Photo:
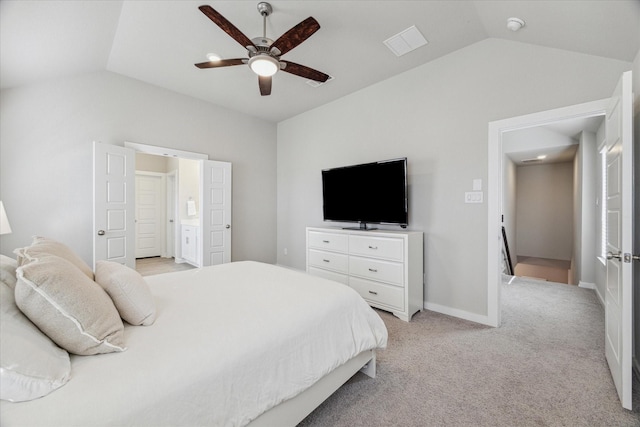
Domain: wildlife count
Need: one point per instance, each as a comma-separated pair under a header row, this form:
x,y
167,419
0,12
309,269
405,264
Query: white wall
x,y
46,134
188,187
437,115
600,265
509,188
544,210
585,213
152,163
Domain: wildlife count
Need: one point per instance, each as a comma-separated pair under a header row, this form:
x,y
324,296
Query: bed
x,y
243,343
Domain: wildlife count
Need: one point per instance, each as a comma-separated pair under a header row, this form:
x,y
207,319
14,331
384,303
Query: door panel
x,y
618,295
216,212
149,215
113,196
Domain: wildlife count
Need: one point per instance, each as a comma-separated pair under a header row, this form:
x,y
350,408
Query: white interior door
x,y
215,212
113,204
619,292
150,214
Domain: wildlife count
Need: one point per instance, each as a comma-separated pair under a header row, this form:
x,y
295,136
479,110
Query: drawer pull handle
x,y
373,270
326,260
325,241
373,247
373,293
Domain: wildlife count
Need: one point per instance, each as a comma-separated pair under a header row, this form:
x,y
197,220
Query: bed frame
x,y
292,411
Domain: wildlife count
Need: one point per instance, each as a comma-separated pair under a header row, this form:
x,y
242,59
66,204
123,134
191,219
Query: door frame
x,y
172,206
495,186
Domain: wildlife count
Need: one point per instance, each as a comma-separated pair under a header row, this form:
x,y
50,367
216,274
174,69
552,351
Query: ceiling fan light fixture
x,y
212,57
264,65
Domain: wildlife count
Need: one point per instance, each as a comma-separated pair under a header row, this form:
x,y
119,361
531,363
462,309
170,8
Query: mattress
x,y
229,343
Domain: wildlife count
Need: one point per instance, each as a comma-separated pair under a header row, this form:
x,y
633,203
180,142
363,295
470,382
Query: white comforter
x,y
229,343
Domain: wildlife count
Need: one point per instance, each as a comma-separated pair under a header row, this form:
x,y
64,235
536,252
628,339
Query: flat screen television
x,y
368,193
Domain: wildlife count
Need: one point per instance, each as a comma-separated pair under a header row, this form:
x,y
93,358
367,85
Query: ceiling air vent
x,y
531,160
406,41
314,83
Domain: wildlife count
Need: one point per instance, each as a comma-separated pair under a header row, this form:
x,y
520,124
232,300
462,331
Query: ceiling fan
x,y
264,53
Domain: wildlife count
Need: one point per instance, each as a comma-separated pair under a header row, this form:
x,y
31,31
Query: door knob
x,y
228,226
630,257
611,255
100,232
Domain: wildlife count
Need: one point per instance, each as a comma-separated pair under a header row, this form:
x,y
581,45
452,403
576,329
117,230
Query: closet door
x,y
113,204
215,218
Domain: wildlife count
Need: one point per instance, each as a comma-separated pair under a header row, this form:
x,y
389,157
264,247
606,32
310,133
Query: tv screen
x,y
373,193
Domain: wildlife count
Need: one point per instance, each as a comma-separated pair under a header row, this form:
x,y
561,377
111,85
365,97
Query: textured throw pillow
x,y
44,246
129,292
8,271
32,365
71,309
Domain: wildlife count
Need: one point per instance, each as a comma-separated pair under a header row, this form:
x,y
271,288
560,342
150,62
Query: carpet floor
x,y
544,366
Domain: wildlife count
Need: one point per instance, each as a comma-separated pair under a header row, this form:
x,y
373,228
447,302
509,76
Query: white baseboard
x,y
290,268
600,296
586,285
465,315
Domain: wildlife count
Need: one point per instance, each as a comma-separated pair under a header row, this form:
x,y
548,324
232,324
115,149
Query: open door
x,y
215,215
619,291
113,204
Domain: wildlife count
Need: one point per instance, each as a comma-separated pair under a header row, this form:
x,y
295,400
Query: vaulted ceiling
x,y
158,42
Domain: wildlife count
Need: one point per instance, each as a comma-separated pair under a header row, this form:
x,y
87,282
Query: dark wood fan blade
x,y
265,85
296,35
306,72
226,26
221,63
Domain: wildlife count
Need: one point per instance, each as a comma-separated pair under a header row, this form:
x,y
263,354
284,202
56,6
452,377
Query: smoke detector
x,y
514,24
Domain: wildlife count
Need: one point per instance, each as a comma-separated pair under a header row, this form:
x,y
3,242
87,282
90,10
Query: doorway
x,y
550,213
618,111
163,184
114,205
203,217
495,196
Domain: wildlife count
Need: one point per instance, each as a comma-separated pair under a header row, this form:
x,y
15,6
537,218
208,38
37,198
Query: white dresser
x,y
385,267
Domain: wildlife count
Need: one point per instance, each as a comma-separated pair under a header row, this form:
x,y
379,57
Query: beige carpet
x,y
544,366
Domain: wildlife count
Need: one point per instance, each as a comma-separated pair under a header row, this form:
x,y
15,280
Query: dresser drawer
x,y
329,260
375,269
331,275
374,292
329,241
379,247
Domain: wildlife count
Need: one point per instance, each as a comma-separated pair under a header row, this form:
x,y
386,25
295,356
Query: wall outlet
x,y
286,252
473,197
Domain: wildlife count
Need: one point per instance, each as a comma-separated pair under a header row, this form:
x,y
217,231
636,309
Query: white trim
x,y
462,314
600,297
495,182
162,151
586,285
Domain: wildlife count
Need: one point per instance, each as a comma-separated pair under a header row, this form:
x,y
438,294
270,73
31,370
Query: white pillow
x,y
129,292
8,271
32,365
71,309
41,246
